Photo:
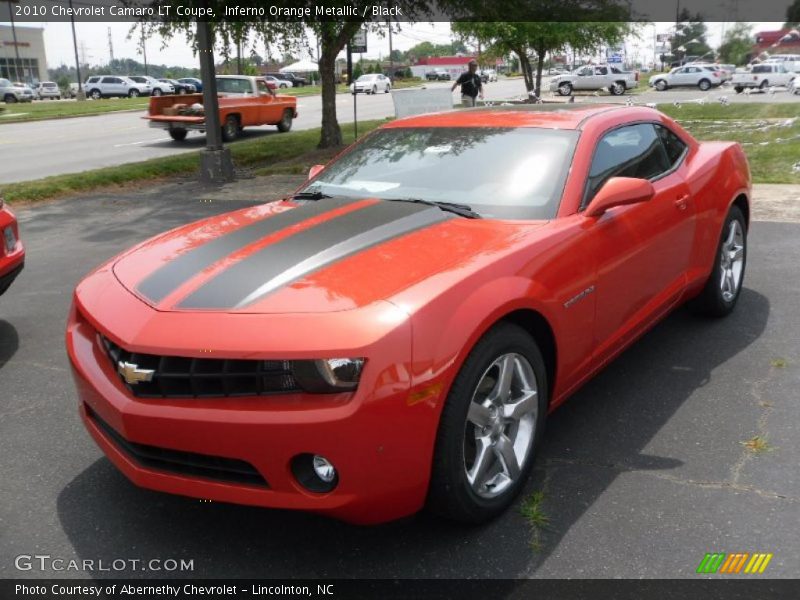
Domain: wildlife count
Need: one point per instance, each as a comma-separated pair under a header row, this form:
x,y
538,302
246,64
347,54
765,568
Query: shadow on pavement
x,y
198,140
611,420
9,342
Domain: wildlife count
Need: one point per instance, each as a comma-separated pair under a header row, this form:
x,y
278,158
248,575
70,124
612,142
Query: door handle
x,y
682,202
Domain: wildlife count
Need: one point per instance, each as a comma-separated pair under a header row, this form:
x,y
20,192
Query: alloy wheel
x,y
731,262
501,424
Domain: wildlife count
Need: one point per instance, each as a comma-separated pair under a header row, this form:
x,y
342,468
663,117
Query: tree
x,y
690,36
793,15
527,39
736,46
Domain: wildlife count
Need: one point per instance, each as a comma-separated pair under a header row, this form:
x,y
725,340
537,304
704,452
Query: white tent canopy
x,y
301,66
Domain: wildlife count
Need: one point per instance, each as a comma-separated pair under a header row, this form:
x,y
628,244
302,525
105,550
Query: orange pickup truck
x,y
243,102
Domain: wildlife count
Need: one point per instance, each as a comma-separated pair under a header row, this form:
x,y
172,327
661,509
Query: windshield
x,y
505,173
365,77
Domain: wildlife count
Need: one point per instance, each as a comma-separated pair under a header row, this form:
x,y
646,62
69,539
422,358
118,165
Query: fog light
x,y
324,469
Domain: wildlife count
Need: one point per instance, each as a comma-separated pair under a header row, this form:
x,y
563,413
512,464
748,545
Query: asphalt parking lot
x,y
643,471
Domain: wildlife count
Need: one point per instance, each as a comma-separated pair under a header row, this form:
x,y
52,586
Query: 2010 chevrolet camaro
x,y
12,253
395,334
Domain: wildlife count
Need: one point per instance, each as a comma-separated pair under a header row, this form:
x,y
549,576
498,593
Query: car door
x,y
677,77
642,251
268,111
600,78
583,80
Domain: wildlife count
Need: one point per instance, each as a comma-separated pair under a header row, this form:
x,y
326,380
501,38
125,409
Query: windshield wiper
x,y
463,210
315,195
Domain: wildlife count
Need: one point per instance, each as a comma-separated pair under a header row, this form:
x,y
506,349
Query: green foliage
x,y
124,66
737,44
690,35
793,15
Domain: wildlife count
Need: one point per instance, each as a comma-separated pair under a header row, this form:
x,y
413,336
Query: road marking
x,y
142,142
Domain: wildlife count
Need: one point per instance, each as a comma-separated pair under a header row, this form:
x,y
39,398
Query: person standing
x,y
471,85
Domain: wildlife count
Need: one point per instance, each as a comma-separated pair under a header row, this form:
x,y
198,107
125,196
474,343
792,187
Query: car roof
x,y
550,116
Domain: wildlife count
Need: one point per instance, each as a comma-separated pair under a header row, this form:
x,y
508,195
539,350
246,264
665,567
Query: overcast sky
x,y
94,36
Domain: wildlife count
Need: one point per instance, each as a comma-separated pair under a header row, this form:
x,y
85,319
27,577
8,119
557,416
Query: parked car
x,y
279,83
762,77
72,90
794,85
381,341
243,102
295,80
157,87
488,75
372,83
437,75
595,77
11,92
689,75
198,84
555,71
180,88
12,253
790,61
48,89
108,86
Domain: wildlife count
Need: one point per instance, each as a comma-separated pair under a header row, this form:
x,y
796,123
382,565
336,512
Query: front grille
x,y
183,377
191,464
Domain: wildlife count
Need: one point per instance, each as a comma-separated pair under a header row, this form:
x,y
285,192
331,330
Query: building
x,y
782,41
454,65
32,65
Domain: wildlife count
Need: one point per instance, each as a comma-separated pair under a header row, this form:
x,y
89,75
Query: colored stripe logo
x,y
734,563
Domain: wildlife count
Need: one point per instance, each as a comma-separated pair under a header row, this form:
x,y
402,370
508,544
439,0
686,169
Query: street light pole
x,y
81,95
216,165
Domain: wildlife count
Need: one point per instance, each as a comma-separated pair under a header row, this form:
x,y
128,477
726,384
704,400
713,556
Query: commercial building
x,y
31,67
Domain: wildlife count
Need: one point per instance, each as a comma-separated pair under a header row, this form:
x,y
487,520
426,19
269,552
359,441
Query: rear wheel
x,y
182,91
661,85
738,89
134,93
704,85
96,94
490,426
617,88
157,92
230,129
564,89
724,285
178,134
285,124
10,99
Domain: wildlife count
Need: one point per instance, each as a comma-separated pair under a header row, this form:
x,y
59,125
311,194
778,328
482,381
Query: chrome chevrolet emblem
x,y
132,374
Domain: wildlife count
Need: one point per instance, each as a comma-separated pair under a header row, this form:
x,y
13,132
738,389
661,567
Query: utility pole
x,y
81,95
216,165
16,45
110,45
391,57
144,51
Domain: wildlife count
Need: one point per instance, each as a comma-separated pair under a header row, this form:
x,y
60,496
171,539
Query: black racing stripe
x,y
295,257
165,280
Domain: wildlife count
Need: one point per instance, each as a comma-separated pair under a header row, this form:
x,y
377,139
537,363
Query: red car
x,y
395,334
12,253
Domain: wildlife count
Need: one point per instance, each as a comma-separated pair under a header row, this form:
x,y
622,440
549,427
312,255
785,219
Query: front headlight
x,y
328,375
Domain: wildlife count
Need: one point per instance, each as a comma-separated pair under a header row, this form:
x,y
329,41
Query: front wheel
x,y
10,99
661,85
565,89
490,425
724,285
134,93
764,85
230,129
178,134
617,88
285,124
738,89
182,91
157,92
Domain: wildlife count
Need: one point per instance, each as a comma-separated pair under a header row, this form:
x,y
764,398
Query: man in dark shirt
x,y
471,85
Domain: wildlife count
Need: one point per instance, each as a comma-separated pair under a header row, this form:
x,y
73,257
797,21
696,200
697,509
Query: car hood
x,y
319,256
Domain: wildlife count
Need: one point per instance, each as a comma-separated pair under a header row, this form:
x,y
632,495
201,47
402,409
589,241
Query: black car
x,y
437,75
180,88
296,80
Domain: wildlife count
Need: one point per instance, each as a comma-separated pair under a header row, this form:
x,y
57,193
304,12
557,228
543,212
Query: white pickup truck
x,y
595,77
763,77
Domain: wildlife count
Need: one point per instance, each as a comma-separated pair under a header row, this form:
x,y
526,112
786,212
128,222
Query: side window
x,y
586,71
601,71
630,151
673,145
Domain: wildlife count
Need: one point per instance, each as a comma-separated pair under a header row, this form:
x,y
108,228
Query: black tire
x,y
95,94
285,124
738,89
617,88
764,85
661,85
134,93
374,89
565,88
231,129
58,97
157,92
178,134
450,495
182,91
10,99
388,89
711,302
704,85
283,86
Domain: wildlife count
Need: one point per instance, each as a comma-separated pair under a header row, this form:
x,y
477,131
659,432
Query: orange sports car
x,y
12,253
394,335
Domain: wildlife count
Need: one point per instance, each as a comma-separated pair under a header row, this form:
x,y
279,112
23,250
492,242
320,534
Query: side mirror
x,y
620,191
314,171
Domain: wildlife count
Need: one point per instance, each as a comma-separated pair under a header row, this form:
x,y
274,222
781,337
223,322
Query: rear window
x,y
234,86
762,69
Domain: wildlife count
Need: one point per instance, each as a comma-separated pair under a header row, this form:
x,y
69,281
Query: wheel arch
x,y
743,203
541,331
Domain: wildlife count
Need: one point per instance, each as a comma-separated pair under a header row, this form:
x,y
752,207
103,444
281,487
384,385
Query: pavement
x,y
643,471
41,148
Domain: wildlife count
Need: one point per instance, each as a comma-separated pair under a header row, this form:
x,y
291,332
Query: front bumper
x,y
11,261
379,442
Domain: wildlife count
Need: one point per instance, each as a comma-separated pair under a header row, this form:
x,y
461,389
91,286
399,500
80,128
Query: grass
x,y
263,151
769,136
757,445
537,519
51,109
779,363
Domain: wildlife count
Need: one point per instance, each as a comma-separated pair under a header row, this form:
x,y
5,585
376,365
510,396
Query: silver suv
x,y
48,89
12,92
157,87
108,86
